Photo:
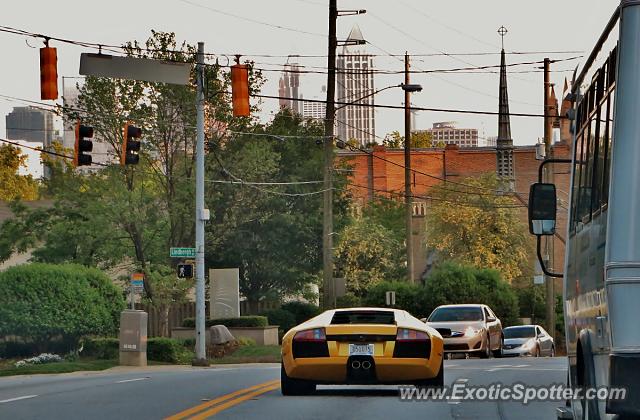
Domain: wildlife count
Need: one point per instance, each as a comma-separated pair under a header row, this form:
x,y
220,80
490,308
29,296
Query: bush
x,y
100,348
452,283
169,350
285,320
49,304
301,311
243,321
409,297
349,300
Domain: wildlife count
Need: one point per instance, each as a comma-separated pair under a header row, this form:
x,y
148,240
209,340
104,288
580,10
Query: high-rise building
x,y
289,88
102,151
354,71
316,110
448,133
30,124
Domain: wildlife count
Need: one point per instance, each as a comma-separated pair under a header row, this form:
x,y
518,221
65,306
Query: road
x,y
252,392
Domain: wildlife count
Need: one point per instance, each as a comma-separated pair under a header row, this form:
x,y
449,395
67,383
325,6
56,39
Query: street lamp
x,y
411,88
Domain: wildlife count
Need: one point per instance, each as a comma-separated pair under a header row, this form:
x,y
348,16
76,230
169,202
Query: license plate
x,y
361,349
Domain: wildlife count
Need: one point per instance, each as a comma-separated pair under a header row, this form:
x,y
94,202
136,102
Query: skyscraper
x,y
290,88
316,110
30,124
354,72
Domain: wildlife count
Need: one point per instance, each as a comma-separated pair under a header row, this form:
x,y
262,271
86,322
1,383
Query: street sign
x,y
182,252
390,298
134,68
137,282
185,271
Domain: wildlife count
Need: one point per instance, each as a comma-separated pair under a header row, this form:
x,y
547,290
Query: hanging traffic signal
x,y
240,90
82,146
130,146
48,73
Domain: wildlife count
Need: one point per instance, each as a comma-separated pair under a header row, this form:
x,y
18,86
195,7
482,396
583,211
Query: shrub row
x,y
159,349
243,321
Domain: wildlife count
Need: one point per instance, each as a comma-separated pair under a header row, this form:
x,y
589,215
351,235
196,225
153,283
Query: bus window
x,y
576,179
607,146
594,146
584,194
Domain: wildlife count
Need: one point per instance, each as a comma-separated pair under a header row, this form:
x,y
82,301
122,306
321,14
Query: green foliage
x,y
100,347
366,254
531,299
253,321
284,319
12,185
301,311
480,227
43,302
409,297
11,349
246,341
453,283
419,139
349,300
168,350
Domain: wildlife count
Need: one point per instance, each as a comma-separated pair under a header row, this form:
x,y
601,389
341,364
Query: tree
x,y
474,224
43,303
368,253
452,283
12,185
419,139
272,233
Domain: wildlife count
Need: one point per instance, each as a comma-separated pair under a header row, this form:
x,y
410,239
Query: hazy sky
x,y
419,27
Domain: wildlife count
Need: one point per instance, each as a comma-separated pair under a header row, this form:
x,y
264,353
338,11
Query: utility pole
x,y
328,289
201,216
548,177
408,202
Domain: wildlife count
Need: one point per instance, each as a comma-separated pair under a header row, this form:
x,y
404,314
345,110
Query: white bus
x,y
602,258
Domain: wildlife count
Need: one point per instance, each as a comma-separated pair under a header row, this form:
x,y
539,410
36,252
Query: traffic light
x,y
185,271
240,90
48,73
82,146
130,146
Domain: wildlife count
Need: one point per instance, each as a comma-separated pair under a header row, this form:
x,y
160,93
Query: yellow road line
x,y
193,410
215,410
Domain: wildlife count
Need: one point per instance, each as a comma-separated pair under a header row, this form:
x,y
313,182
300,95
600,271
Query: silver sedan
x,y
527,340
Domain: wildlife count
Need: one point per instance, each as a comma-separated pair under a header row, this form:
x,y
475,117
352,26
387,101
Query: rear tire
x,y
291,386
498,353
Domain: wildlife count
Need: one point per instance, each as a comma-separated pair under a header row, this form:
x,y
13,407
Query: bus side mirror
x,y
542,209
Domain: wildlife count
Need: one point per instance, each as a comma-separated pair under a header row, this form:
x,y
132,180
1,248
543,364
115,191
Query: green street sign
x,y
182,252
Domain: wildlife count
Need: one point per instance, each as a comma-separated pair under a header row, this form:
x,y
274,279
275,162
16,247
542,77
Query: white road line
x,y
462,380
25,397
132,380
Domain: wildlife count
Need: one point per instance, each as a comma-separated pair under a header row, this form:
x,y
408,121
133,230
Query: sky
x,y
286,27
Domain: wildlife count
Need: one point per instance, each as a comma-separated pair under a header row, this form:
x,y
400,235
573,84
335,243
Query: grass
x,y
251,354
7,367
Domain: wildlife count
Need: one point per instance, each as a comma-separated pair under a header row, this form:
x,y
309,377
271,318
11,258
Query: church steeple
x,y
504,143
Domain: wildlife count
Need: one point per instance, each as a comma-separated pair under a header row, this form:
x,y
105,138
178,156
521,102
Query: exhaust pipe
x,y
355,364
366,365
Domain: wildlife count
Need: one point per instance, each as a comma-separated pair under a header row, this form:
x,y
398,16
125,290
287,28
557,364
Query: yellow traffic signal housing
x,y
130,146
48,73
240,90
82,145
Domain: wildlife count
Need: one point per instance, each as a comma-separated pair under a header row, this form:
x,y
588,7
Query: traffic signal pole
x,y
548,177
200,357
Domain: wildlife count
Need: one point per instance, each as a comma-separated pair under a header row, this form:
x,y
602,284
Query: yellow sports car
x,y
361,346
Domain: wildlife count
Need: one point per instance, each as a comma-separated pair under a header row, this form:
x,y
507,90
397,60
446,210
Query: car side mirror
x,y
491,319
423,320
542,209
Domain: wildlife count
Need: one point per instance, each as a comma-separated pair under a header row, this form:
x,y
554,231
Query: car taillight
x,y
316,334
405,334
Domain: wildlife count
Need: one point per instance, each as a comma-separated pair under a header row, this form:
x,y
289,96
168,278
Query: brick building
x,y
381,172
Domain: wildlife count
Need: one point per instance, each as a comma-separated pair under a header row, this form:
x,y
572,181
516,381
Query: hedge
x,y
285,320
52,305
301,311
159,349
243,321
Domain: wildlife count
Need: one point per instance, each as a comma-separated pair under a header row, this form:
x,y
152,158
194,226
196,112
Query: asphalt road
x,y
252,392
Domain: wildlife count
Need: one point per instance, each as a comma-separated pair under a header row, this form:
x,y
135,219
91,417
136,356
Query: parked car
x,y
468,329
361,346
528,340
